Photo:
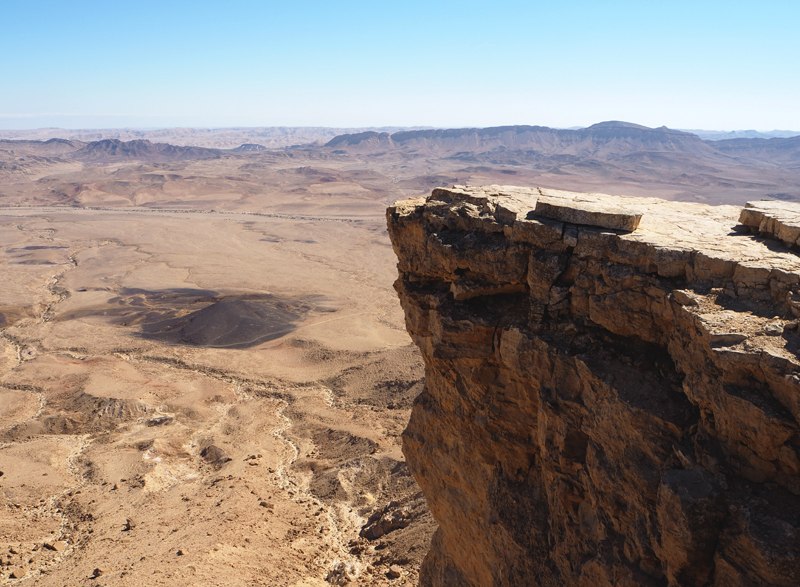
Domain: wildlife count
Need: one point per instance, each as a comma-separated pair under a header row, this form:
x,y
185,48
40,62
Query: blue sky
x,y
712,65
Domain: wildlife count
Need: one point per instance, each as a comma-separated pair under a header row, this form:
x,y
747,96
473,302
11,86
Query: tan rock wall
x,y
602,407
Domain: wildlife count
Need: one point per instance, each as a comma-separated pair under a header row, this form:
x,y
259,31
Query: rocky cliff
x,y
613,390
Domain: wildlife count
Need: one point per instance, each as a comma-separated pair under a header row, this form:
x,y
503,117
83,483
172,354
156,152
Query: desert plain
x,y
208,395
204,369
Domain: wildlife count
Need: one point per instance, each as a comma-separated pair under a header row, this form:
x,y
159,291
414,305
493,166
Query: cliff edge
x,y
612,388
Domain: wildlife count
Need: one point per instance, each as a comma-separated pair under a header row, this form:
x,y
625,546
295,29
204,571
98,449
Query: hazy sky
x,y
713,65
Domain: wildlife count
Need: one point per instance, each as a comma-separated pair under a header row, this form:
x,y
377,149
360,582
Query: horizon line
x,y
357,127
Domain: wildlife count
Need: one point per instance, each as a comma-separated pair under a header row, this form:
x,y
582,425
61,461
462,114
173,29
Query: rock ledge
x,y
612,389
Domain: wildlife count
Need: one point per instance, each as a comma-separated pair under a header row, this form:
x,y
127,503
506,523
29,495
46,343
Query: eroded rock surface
x,y
603,407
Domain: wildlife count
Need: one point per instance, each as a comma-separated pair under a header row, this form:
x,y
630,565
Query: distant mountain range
x,y
606,140
109,149
276,137
613,157
604,143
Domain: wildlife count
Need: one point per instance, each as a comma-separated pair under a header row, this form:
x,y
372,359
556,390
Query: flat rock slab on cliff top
x,y
591,213
675,235
780,220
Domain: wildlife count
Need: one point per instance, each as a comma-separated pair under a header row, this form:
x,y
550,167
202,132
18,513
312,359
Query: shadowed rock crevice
x,y
628,415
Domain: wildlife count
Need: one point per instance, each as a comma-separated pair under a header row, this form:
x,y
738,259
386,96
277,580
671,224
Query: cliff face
x,y
613,393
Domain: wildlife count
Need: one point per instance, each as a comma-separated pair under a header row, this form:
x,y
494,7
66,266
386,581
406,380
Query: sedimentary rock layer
x,y
603,407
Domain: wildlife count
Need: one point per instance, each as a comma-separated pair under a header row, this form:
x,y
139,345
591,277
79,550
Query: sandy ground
x,y
204,399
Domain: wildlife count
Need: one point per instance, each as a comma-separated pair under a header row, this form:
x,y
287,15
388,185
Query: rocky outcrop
x,y
603,406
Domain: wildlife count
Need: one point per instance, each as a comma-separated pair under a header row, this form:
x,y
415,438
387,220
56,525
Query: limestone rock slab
x,y
588,213
779,220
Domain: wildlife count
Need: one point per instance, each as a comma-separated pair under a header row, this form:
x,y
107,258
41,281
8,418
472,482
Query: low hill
x,y
52,147
249,147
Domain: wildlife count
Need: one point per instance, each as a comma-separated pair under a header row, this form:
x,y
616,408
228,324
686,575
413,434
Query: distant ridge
x,y
775,150
143,149
721,135
356,138
57,147
609,138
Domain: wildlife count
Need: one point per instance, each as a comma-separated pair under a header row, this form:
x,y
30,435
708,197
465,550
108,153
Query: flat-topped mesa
x,y
612,388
